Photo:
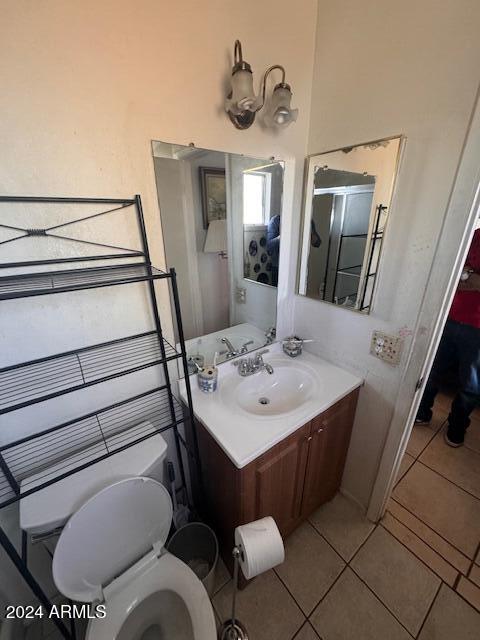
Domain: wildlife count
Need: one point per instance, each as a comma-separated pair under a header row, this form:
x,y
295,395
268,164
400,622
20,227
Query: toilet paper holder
x,y
233,629
256,539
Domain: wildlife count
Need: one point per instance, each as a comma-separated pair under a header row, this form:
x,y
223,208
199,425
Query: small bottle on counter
x,y
207,376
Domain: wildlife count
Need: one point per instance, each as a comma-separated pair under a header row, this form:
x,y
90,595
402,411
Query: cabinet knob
x,y
308,438
320,430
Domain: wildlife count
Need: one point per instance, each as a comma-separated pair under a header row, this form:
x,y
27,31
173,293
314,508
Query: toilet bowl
x,y
111,551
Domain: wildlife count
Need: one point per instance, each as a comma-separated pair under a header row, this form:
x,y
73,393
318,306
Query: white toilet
x,y
111,552
116,521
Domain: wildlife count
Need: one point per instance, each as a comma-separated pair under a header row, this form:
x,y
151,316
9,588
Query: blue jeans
x,y
459,349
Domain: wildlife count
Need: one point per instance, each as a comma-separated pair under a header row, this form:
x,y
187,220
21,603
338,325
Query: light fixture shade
x,y
242,97
278,112
216,240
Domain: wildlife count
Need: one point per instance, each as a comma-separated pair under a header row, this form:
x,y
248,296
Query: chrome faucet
x,y
249,366
244,347
231,351
270,335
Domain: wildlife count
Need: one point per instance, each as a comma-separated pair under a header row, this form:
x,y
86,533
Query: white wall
x,y
85,88
412,69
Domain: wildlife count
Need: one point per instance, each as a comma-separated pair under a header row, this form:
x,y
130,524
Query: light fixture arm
x,y
265,76
237,52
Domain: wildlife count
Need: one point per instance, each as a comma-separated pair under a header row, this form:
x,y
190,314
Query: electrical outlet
x,y
386,347
241,295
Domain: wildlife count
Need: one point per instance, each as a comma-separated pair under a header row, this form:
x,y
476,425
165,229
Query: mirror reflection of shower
x,y
218,212
347,201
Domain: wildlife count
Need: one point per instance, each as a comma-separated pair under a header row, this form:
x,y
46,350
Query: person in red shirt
x,y
459,349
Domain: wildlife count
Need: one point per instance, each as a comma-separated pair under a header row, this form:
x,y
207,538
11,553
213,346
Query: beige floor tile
x,y
472,437
461,466
475,574
441,546
310,568
343,524
423,433
470,592
307,632
350,611
222,576
405,465
419,438
444,400
444,507
431,558
403,583
451,618
265,607
218,622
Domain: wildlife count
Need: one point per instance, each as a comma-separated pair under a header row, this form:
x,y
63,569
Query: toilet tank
x,y
50,508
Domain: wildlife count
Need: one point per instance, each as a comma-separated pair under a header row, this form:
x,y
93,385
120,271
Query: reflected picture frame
x,y
213,194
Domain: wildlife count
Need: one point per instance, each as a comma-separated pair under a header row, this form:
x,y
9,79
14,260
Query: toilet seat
x,y
153,576
111,551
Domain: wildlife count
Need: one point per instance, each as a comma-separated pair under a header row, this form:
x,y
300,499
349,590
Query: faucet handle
x,y
245,345
270,334
260,354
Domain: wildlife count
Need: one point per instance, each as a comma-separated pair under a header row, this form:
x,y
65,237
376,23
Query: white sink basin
x,y
264,394
247,416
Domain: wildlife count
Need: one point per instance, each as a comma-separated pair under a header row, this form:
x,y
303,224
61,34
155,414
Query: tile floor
x,y
414,575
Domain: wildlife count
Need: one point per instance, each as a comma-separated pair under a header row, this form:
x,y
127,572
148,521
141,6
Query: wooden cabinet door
x,y
279,479
330,436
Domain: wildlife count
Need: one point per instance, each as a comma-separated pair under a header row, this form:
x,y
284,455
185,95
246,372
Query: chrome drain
x,y
263,400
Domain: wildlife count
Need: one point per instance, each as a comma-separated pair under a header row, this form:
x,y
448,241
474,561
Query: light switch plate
x,y
386,347
241,295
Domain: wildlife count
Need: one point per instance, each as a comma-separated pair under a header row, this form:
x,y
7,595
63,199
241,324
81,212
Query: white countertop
x,y
244,436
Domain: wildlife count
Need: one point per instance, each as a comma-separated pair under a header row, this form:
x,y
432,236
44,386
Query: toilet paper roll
x,y
261,546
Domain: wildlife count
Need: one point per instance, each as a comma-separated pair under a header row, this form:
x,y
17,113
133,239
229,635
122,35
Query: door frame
x,y
458,226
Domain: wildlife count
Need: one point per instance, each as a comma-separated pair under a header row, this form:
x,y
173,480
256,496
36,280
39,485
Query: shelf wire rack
x,y
42,379
26,285
34,462
37,461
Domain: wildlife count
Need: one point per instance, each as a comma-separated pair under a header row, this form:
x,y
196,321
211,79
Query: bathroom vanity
x,y
284,458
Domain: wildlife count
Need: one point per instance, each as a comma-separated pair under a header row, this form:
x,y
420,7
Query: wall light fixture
x,y
242,104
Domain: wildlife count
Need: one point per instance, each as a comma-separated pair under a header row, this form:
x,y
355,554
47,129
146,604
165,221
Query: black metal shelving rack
x,y
34,462
354,271
376,238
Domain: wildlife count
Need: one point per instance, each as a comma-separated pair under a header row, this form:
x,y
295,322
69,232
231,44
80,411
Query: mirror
x,y
218,211
347,201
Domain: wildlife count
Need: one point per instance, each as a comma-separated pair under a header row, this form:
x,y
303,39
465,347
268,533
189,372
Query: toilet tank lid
x,y
108,534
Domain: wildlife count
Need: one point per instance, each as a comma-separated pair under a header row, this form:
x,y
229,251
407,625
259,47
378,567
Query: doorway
x,y
434,508
456,234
